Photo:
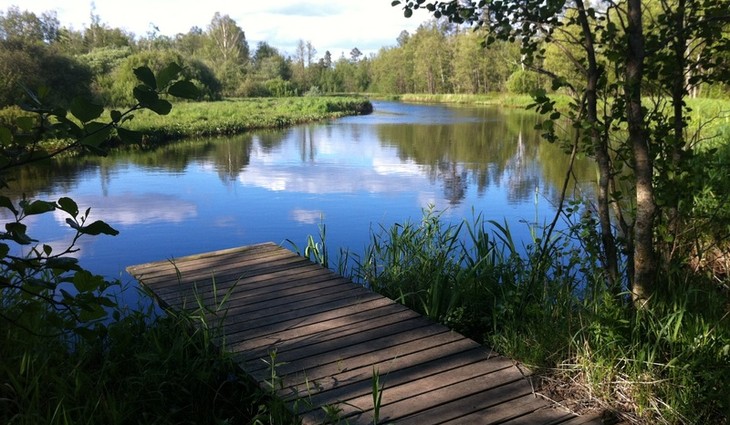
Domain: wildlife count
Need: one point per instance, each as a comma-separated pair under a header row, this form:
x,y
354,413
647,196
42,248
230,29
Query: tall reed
x,y
547,304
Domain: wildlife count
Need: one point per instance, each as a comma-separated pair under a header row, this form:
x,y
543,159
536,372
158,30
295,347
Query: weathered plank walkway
x,y
330,334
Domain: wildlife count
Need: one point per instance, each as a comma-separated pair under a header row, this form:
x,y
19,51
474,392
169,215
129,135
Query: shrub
x,y
523,82
117,87
39,68
251,88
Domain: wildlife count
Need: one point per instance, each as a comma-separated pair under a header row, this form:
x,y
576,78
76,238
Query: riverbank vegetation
x,y
631,303
547,303
233,116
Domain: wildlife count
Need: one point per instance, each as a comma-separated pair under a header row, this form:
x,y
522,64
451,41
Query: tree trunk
x,y
645,263
678,92
600,146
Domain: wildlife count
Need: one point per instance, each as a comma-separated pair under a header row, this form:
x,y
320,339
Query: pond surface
x,y
352,174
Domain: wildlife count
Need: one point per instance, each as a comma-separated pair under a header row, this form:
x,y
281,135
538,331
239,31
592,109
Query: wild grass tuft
x,y
547,305
147,369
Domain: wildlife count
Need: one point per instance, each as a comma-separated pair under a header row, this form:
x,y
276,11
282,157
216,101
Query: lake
x,y
353,175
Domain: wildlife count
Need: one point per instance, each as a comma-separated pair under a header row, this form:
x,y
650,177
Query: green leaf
x,y
395,3
4,249
96,134
98,227
86,333
168,74
92,312
63,264
407,13
6,136
84,281
160,106
5,202
68,205
145,95
145,75
129,136
84,110
184,89
38,207
115,115
25,123
17,232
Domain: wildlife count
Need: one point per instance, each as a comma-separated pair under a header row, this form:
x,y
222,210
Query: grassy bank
x,y
493,99
550,308
713,111
193,119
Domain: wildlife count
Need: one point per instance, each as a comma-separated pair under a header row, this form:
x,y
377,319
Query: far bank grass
x,y
232,116
715,111
490,99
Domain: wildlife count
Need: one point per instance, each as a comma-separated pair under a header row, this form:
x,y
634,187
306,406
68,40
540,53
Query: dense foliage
x,y
546,303
439,57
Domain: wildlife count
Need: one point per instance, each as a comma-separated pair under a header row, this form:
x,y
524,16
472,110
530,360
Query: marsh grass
x,y
546,305
232,116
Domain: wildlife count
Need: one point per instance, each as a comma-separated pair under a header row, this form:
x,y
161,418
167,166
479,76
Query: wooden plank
x,y
493,380
329,336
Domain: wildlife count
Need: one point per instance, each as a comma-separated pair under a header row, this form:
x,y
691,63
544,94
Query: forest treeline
x,y
38,51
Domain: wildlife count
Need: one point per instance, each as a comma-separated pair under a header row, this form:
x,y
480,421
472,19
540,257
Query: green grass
x,y
193,119
547,305
146,370
496,99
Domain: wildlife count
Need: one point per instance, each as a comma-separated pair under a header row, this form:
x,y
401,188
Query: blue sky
x,y
337,26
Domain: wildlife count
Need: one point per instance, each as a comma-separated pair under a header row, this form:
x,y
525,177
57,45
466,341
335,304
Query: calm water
x,y
352,174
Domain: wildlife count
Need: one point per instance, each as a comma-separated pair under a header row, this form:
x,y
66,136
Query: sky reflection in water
x,y
352,174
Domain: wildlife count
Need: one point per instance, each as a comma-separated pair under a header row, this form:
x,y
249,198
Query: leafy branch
x,y
46,284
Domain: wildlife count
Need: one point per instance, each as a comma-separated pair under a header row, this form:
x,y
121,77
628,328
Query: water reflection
x,y
351,173
131,208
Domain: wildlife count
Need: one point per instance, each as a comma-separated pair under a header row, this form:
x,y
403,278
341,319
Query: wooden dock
x,y
330,335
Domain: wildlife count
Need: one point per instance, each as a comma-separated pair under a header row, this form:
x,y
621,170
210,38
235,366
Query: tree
x,y
227,51
432,59
327,60
189,43
403,38
28,27
624,137
355,54
311,53
117,88
100,35
392,70
35,66
228,39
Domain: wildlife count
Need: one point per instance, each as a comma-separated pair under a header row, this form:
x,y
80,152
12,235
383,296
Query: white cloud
x,y
131,209
307,216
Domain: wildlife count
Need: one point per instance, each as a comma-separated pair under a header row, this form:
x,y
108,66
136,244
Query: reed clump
x,y
547,304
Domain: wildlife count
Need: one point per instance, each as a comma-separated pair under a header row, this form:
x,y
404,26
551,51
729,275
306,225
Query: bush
x,y
251,88
39,68
281,88
523,82
116,88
